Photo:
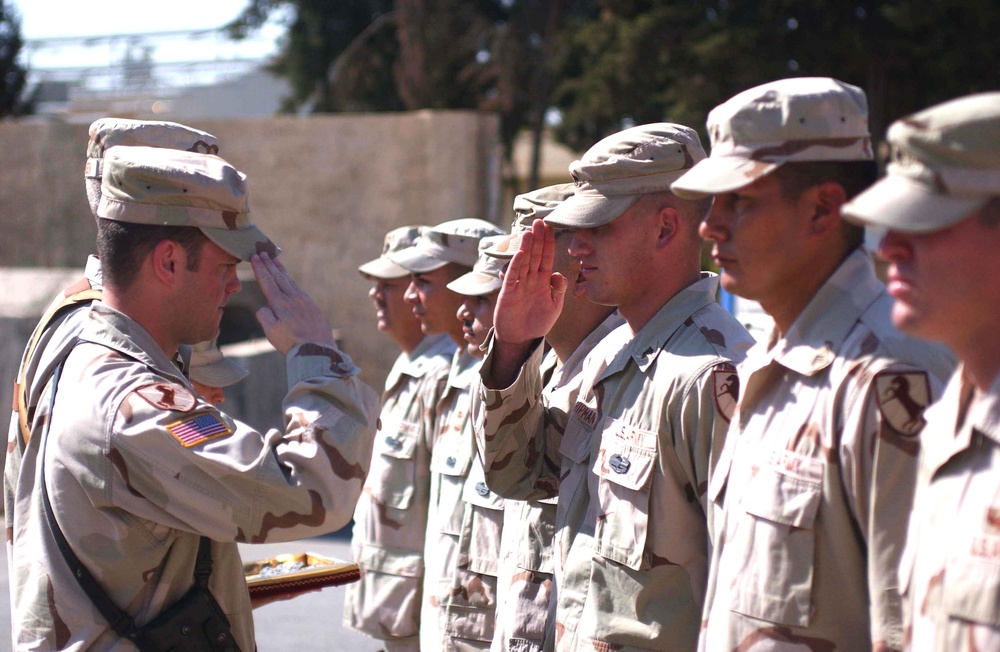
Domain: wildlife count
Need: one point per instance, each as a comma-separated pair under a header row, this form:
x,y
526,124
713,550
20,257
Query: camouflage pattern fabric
x,y
951,587
631,530
139,467
525,578
451,462
816,479
391,517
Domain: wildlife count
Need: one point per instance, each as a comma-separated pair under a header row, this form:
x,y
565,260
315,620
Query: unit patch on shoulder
x,y
726,386
198,428
902,397
168,396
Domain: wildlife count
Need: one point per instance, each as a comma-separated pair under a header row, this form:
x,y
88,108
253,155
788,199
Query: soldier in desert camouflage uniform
x,y
63,320
472,605
440,255
527,561
391,519
632,536
138,468
815,483
941,204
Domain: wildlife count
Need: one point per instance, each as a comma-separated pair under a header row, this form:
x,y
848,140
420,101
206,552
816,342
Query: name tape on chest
x,y
198,428
585,413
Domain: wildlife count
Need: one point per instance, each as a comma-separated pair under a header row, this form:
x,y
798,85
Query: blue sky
x,y
42,19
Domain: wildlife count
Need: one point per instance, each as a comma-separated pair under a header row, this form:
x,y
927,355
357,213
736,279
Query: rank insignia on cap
x,y
902,398
726,386
198,428
168,396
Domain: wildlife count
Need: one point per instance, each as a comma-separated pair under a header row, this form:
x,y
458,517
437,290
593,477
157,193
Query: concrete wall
x,y
324,188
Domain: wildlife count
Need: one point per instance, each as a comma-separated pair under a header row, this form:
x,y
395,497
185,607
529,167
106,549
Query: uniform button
x,y
619,464
482,489
451,462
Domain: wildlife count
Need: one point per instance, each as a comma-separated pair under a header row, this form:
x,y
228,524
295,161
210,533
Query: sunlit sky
x,y
47,19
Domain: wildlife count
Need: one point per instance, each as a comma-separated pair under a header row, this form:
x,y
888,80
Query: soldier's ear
x,y
166,261
827,199
669,224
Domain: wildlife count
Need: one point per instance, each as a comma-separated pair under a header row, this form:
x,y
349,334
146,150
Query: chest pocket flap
x,y
972,588
452,455
787,490
400,444
624,466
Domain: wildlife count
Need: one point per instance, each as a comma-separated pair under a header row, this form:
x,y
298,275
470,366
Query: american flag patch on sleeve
x,y
198,429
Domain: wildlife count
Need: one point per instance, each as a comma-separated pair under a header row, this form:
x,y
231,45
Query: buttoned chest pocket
x,y
972,584
392,479
450,461
624,466
775,543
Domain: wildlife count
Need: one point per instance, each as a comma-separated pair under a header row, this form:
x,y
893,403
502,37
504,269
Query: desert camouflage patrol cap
x,y
106,133
395,240
485,275
151,185
455,241
756,131
613,174
530,206
211,368
944,165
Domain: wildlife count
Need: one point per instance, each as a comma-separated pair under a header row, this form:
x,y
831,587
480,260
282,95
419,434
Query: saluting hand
x,y
530,301
291,316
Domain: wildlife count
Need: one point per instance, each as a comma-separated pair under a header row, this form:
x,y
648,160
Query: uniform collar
x,y
117,331
814,339
984,413
464,370
93,272
572,365
644,347
421,359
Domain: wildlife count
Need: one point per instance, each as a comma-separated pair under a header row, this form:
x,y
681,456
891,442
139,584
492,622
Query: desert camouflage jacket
x,y
817,477
138,468
451,462
950,573
527,559
391,518
631,530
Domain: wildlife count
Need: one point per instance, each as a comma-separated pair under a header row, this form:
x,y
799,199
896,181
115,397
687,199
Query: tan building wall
x,y
324,188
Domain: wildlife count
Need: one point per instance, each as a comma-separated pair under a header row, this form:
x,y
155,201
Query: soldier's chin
x,y
579,286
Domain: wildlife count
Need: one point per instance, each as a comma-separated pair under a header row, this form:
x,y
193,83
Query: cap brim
x,y
242,243
475,284
719,174
414,260
506,248
382,267
588,211
223,373
906,205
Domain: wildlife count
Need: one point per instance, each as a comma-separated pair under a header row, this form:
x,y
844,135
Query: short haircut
x,y
796,177
123,246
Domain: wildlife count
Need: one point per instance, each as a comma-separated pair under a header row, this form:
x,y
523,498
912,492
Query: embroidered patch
x,y
168,396
726,388
197,429
901,399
